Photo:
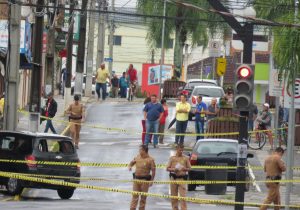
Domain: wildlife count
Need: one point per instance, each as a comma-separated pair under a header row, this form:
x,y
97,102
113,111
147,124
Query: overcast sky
x,y
121,3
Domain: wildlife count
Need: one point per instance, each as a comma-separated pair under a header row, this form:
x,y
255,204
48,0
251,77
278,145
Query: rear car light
x,y
31,163
194,101
193,159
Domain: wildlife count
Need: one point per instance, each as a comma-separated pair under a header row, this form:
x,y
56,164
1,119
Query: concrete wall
x,y
134,48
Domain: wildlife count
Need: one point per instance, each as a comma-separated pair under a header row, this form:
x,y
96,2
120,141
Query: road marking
x,y
84,132
253,178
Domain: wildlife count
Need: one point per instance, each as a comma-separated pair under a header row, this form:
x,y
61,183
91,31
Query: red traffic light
x,y
244,72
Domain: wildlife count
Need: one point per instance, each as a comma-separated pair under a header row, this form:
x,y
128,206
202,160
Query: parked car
x,y
83,84
108,86
207,93
209,152
38,147
192,83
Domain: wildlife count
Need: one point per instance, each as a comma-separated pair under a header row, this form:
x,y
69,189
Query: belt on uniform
x,y
274,177
148,178
75,118
174,176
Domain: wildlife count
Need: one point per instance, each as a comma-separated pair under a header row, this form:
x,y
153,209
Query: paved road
x,y
98,145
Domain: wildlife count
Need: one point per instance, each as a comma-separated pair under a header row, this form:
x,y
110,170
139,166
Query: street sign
x,y
214,48
287,95
109,60
221,66
275,83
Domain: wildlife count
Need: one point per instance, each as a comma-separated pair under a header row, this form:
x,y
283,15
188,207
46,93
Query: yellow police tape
x,y
136,132
121,165
107,189
160,182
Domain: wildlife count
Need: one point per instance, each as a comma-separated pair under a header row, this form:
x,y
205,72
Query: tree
x,y
189,23
286,46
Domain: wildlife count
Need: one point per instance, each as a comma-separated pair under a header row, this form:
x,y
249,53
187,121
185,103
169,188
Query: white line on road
x,y
253,178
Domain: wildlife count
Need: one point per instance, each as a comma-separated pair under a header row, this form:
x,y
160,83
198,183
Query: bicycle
x,y
257,140
283,133
131,91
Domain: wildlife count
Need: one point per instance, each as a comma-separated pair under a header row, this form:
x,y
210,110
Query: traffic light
x,y
244,86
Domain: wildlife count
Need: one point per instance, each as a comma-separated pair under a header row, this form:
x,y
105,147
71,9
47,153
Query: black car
x,y
214,152
38,147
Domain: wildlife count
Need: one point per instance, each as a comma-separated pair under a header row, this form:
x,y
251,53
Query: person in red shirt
x,y
132,74
132,77
162,122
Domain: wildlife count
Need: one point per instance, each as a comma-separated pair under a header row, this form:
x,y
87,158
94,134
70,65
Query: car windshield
x,y
194,84
217,148
209,92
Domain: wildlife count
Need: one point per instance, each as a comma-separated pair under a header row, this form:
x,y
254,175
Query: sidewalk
x,y
59,126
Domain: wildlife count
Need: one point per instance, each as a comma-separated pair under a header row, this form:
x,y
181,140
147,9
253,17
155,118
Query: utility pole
x,y
111,38
12,69
50,68
246,34
101,34
35,96
90,54
162,49
69,55
291,132
81,49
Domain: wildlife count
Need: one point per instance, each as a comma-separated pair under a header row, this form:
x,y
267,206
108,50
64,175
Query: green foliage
x,y
140,94
226,119
286,46
189,24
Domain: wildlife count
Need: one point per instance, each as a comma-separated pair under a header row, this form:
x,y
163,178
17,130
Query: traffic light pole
x,y
245,32
243,130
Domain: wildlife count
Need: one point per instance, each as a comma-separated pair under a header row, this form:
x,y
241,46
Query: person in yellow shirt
x,y
182,117
2,105
101,78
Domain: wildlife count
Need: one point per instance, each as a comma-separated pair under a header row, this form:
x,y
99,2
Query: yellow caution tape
x,y
140,133
107,189
122,165
198,182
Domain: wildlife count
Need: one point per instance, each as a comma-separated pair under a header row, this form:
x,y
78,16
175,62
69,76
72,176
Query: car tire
x,y
14,186
191,187
65,193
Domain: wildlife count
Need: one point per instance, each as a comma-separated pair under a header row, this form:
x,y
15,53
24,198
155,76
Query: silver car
x,y
207,93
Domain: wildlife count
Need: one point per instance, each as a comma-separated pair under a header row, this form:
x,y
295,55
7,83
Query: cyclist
x,y
264,119
132,77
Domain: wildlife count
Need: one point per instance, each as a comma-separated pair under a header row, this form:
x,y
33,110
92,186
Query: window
x,y
193,84
117,40
18,145
169,44
217,147
208,92
7,142
55,146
